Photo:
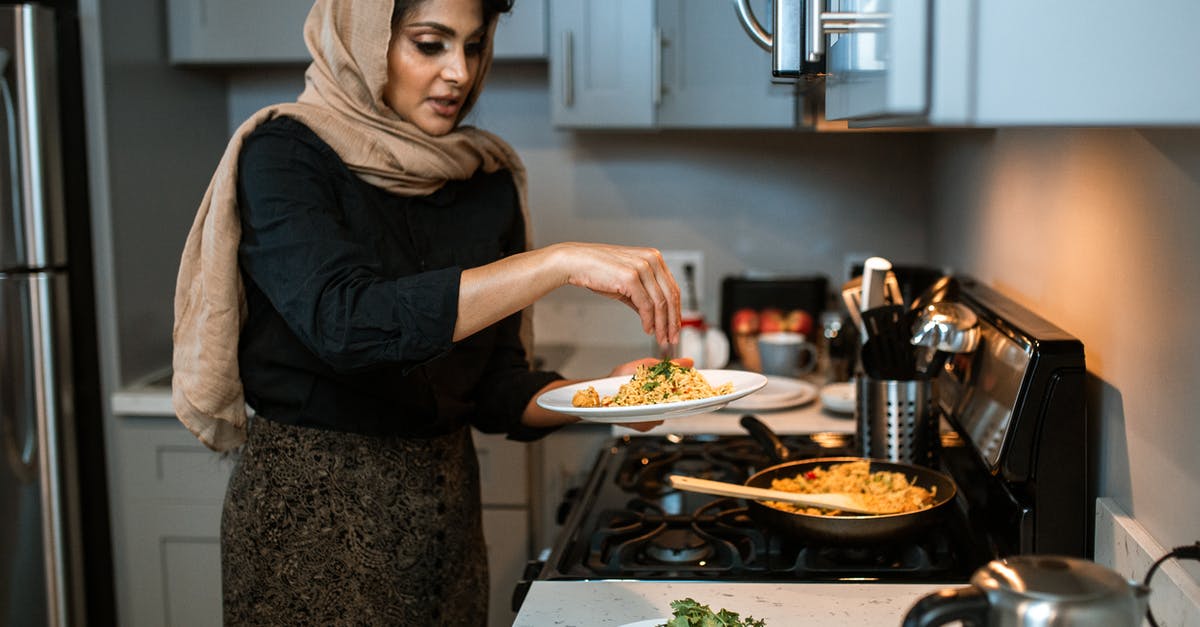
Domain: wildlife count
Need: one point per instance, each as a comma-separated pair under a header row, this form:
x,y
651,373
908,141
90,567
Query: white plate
x,y
559,399
650,622
779,393
839,397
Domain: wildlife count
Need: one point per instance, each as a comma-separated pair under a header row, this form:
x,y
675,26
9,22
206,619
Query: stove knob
x,y
564,508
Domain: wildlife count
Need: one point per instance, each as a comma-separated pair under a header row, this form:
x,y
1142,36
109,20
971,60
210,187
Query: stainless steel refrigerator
x,y
41,551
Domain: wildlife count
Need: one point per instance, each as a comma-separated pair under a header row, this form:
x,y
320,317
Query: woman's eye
x,y
429,48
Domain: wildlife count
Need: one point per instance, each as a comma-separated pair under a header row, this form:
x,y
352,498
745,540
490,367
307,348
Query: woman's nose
x,y
456,69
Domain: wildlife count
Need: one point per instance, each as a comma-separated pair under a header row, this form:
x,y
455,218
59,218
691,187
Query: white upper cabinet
x,y
521,33
660,64
237,31
981,63
247,32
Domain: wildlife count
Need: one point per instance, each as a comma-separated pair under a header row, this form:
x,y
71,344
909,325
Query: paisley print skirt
x,y
326,528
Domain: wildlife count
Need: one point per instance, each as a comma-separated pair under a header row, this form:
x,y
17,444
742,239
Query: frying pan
x,y
842,529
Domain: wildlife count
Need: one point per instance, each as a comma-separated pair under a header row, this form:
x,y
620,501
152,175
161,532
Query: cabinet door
x,y
506,532
601,63
708,69
521,33
238,31
884,73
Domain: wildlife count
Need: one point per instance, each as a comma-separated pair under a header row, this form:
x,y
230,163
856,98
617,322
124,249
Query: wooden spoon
x,y
843,502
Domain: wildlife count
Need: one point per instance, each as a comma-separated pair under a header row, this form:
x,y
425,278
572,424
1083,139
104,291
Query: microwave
x,y
984,64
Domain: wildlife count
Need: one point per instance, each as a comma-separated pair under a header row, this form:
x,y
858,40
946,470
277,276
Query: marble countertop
x,y
617,603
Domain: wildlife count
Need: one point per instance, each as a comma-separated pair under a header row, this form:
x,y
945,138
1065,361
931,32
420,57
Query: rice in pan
x,y
884,491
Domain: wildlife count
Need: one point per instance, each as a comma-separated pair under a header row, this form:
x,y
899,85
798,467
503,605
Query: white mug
x,y
786,354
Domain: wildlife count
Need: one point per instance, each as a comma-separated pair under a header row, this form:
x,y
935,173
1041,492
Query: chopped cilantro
x,y
689,613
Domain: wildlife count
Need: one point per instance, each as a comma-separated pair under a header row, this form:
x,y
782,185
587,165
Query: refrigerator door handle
x,y
18,420
22,458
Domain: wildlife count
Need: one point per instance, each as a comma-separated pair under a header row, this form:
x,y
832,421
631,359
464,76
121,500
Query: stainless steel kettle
x,y
1037,590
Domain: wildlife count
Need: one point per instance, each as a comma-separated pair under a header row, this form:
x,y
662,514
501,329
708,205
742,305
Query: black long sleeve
x,y
353,294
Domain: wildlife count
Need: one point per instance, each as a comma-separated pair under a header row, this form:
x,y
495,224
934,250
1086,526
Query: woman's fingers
x,y
635,276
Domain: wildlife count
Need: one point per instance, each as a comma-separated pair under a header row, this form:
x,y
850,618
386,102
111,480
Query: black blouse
x,y
353,295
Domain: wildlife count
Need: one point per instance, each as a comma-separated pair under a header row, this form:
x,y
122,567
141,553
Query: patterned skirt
x,y
326,528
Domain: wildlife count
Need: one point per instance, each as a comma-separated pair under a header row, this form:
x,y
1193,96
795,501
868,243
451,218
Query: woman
x,y
357,270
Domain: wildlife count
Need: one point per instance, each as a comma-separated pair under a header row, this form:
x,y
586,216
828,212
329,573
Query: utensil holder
x,y
895,420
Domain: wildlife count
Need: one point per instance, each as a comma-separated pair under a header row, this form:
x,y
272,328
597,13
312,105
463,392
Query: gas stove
x,y
1015,441
627,522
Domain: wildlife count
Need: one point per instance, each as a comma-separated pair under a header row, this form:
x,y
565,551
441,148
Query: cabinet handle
x,y
656,74
568,55
753,27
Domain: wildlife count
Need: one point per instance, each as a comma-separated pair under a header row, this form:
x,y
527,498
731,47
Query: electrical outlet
x,y
676,261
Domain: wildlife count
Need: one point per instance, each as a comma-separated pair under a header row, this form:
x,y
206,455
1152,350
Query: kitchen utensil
x,y
1036,590
844,502
786,354
887,352
852,298
894,419
875,271
848,529
947,326
944,288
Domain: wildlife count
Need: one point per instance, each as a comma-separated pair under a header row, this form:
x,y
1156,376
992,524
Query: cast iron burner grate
x,y
720,538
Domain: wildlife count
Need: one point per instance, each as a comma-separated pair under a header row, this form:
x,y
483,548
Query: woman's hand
x,y
635,276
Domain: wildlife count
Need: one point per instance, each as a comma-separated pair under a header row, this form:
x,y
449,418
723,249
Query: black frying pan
x,y
848,528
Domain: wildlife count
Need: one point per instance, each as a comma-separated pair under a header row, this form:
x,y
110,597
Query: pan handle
x,y
775,448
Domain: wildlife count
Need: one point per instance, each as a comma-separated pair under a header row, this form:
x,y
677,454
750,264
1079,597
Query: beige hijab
x,y
342,103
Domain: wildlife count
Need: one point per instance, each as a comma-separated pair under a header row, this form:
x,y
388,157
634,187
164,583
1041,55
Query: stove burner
x,y
678,546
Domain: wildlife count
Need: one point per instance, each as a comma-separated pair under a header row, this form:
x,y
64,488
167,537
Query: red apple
x,y
799,321
770,320
744,321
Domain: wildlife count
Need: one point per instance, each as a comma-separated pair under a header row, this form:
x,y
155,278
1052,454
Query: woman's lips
x,y
447,107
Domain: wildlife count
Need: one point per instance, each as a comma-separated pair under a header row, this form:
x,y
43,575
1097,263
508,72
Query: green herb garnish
x,y
690,613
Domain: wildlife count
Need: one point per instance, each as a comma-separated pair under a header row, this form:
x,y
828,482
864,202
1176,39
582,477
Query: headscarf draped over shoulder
x,y
342,103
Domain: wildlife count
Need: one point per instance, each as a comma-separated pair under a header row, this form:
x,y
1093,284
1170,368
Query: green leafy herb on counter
x,y
690,613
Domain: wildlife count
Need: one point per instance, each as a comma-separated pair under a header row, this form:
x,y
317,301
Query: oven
x,y
1014,438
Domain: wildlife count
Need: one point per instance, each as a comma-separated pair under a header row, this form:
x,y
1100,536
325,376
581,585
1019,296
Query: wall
x,y
1098,231
752,201
164,133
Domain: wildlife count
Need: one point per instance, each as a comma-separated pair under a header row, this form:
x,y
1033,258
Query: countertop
x,y
615,603
151,396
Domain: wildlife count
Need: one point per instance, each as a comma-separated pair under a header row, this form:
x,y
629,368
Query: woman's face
x,y
433,61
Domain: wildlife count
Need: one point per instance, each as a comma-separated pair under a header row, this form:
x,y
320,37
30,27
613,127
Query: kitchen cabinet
x,y
663,64
1019,63
241,32
167,494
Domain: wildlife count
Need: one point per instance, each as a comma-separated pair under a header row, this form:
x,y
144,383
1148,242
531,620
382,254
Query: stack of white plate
x,y
778,393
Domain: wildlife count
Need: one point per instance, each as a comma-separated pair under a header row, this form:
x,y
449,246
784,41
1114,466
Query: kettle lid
x,y
1051,577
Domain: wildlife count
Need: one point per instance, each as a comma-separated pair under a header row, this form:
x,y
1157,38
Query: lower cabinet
x,y
167,491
